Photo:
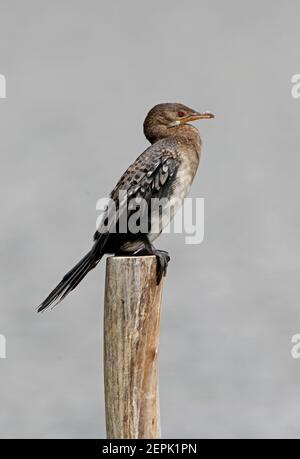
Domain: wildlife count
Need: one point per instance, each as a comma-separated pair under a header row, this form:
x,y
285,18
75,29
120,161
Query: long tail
x,y
72,279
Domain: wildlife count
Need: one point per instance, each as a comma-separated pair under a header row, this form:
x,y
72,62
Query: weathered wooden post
x,y
131,341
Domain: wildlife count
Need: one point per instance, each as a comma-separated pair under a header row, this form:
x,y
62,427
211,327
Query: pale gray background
x,y
81,76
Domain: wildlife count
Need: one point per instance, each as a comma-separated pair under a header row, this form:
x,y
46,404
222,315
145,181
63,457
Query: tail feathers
x,y
71,280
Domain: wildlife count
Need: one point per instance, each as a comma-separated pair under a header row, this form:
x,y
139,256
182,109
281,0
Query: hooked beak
x,y
196,116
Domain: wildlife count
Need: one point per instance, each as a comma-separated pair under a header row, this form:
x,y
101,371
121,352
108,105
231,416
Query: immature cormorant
x,y
164,171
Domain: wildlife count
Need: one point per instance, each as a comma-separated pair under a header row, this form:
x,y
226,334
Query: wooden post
x,y
131,340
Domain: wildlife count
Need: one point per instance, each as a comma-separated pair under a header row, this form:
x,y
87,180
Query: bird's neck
x,y
185,133
189,135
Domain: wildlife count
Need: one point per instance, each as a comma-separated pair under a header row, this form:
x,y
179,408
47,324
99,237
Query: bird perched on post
x,y
163,172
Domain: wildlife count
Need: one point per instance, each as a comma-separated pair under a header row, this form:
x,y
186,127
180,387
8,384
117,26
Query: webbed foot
x,y
162,260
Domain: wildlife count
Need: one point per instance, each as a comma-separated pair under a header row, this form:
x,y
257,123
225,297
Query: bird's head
x,y
163,119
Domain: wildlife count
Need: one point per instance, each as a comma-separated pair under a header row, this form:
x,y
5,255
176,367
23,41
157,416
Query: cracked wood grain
x,y
131,341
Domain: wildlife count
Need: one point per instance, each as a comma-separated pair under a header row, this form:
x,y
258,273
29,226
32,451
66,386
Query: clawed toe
x,y
163,259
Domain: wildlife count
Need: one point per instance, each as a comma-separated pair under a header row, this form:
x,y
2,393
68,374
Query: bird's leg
x,y
162,258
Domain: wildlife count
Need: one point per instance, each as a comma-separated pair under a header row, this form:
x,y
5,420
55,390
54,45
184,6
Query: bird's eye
x,y
180,114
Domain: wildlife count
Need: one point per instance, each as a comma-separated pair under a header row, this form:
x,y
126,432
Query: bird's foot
x,y
162,260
